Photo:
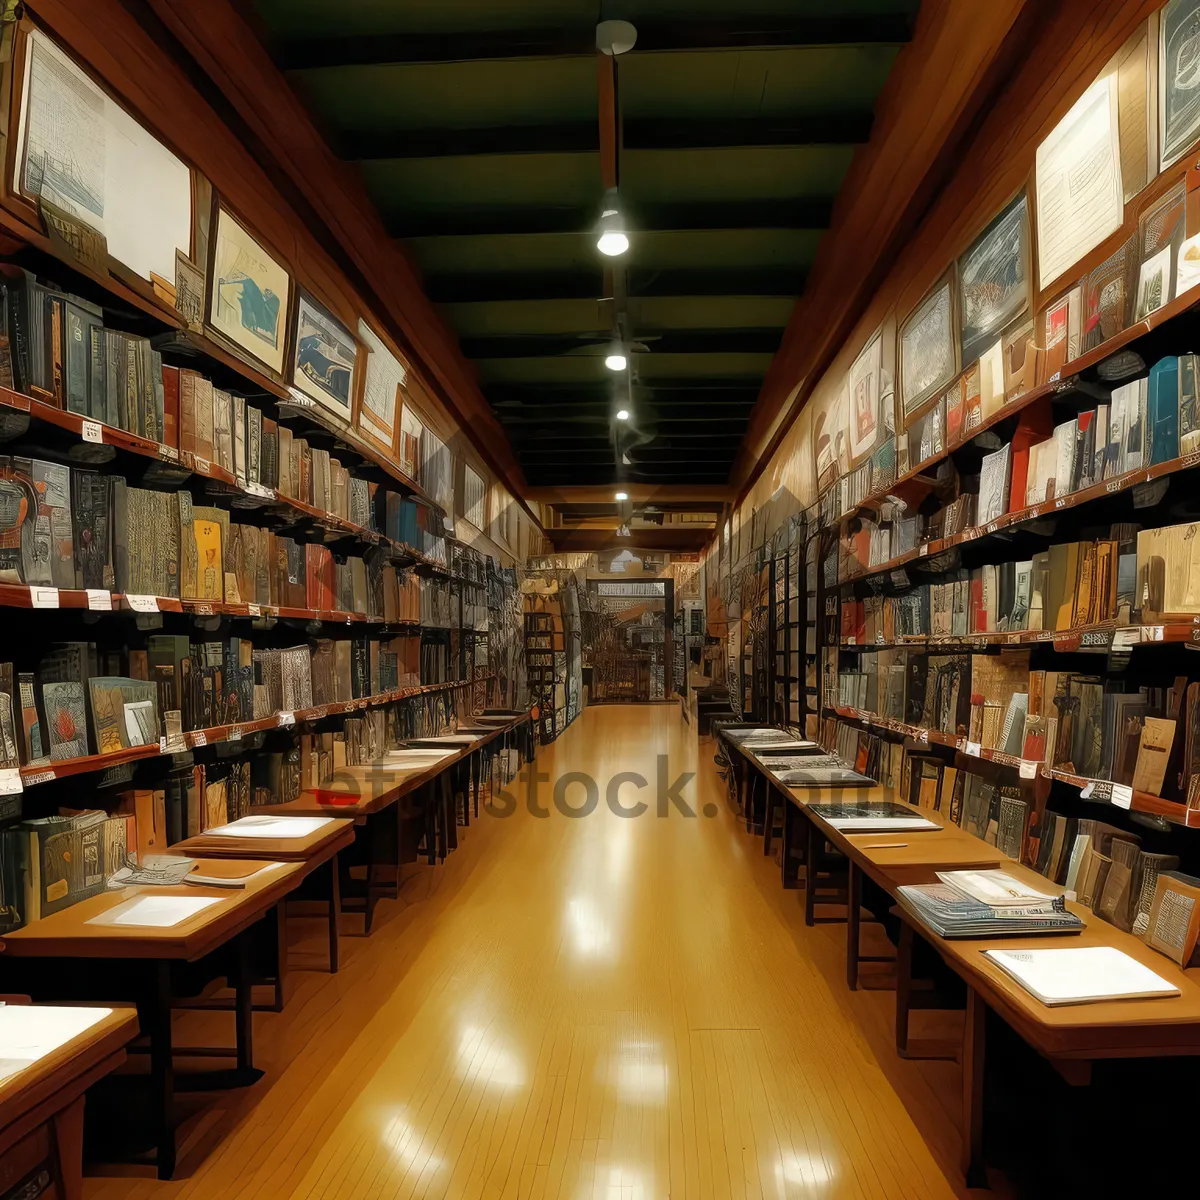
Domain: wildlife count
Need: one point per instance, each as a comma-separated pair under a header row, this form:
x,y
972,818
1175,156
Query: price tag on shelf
x,y
1085,792
1129,635
200,739
168,453
924,550
1122,795
99,600
46,776
235,734
93,431
254,610
1028,769
202,610
142,604
10,781
286,720
1152,633
257,489
202,465
162,744
973,749
43,597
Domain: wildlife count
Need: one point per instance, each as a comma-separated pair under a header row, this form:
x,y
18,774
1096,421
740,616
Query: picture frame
x,y
325,356
252,316
928,347
379,396
994,278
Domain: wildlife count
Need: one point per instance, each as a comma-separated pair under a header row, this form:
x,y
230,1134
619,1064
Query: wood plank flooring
x,y
625,1008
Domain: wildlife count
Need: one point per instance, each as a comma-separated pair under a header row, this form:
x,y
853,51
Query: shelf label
x,y
1028,768
1061,502
11,782
43,597
1129,635
203,610
254,610
257,489
202,465
1122,795
46,776
200,739
162,744
142,604
99,600
1152,633
235,734
93,431
168,453
286,720
973,749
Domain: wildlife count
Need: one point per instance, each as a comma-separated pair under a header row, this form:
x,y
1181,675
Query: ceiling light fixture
x,y
622,496
622,414
616,361
613,239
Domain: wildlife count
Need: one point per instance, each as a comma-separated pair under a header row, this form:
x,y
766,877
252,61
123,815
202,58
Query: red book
x,y
170,406
1036,425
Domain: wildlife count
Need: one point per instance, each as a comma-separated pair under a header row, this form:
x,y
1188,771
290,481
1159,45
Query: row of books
x,y
51,863
1147,738
82,701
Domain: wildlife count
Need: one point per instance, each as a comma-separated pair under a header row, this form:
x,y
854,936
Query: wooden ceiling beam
x,y
512,220
668,341
639,493
566,539
406,49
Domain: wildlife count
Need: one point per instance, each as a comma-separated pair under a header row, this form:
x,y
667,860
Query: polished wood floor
x,y
593,1007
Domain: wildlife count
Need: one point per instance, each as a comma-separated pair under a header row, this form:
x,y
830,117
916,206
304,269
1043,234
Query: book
x,y
1080,974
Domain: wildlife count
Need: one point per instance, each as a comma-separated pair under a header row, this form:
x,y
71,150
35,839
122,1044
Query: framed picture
x,y
928,348
993,279
411,431
1178,79
248,294
831,437
324,356
864,407
382,392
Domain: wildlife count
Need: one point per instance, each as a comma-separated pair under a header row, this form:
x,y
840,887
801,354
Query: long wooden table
x,y
64,951
1070,1037
41,1104
317,848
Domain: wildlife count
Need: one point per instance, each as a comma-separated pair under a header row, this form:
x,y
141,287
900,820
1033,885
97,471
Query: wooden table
x,y
312,851
1071,1037
41,1105
66,948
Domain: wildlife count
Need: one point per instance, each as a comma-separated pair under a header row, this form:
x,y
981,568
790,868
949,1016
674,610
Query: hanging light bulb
x,y
613,239
616,361
622,414
622,496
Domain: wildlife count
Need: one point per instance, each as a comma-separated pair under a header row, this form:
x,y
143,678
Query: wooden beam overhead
x,y
515,220
669,341
566,539
639,493
826,129
317,53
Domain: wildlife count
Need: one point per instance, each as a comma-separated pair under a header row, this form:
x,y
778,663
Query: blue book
x,y
1162,411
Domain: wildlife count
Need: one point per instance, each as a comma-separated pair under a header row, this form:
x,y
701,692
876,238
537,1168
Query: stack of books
x,y
982,904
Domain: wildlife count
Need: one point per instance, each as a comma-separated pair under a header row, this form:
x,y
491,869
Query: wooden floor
x,y
593,1007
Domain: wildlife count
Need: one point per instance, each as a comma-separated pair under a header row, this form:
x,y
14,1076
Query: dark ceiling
x,y
476,126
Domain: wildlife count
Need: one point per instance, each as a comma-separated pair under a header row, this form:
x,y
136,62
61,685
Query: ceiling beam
x,y
502,287
659,391
826,129
566,539
465,221
404,49
639,493
669,341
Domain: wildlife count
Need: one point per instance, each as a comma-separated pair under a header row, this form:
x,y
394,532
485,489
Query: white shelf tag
x,y
1028,768
43,597
93,431
142,604
973,749
99,599
1122,795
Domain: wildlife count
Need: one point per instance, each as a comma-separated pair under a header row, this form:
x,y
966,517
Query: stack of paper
x,y
1081,974
978,904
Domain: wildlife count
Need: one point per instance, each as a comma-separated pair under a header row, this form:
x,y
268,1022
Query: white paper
x,y
1029,768
419,755
142,604
11,782
105,168
43,597
385,376
92,432
881,824
1080,198
99,600
973,749
996,887
271,827
29,1032
1080,974
1122,795
157,912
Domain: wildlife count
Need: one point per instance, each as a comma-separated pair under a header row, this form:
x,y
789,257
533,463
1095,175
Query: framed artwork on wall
x,y
324,358
928,348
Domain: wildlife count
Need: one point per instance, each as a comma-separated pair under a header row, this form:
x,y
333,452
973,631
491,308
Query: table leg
x,y
768,818
971,1158
281,956
335,913
853,914
244,1005
904,957
156,1021
449,831
68,1143
476,777
431,836
810,873
464,789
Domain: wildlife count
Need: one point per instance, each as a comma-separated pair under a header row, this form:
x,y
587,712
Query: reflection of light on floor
x,y
589,930
641,1075
403,1142
801,1169
615,1183
481,1058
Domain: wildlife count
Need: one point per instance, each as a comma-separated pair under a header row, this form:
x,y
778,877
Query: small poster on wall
x,y
324,357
